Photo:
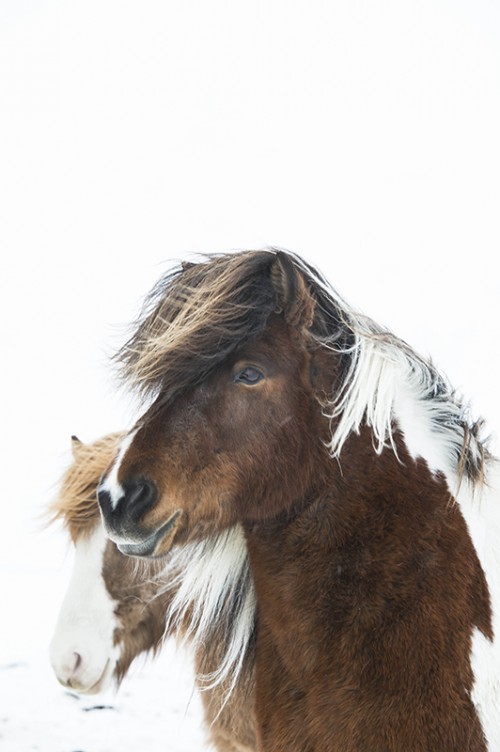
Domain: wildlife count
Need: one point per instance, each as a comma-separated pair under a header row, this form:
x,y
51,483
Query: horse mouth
x,y
103,681
156,545
98,686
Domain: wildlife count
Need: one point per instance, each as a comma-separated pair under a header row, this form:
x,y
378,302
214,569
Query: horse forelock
x,y
194,318
76,503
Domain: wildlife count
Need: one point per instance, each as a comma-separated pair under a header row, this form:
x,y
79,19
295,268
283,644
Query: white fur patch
x,y
368,394
414,418
82,652
212,583
110,484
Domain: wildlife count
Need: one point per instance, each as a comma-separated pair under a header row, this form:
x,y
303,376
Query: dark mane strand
x,y
194,318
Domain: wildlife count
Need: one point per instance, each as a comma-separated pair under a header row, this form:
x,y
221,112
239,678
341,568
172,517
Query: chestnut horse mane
x,y
213,598
199,314
76,504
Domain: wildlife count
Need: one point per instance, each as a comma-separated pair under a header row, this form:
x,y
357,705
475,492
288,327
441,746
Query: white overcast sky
x,y
363,135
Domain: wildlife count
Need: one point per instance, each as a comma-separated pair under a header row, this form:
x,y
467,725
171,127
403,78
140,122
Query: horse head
x,y
108,615
234,432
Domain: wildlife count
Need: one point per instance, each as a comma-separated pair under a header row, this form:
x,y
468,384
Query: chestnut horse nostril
x,y
140,496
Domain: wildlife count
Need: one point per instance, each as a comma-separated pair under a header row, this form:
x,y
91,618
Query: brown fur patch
x,y
367,601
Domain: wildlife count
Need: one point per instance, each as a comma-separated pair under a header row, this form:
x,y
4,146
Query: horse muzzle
x,y
123,510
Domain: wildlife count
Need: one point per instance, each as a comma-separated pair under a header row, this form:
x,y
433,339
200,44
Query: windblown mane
x,y
213,599
201,313
76,503
194,318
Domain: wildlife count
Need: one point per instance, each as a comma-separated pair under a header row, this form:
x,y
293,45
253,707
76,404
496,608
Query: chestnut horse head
x,y
355,473
254,371
228,352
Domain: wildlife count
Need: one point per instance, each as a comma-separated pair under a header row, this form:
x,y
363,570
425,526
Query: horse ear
x,y
293,297
76,445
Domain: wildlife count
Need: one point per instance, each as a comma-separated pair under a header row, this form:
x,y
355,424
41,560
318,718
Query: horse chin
x,y
103,683
156,545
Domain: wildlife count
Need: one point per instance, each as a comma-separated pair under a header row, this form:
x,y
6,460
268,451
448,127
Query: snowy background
x,y
363,135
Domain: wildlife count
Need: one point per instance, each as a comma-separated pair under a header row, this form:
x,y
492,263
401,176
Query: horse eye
x,y
249,376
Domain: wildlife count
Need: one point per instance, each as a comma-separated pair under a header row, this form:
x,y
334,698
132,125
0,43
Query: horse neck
x,y
368,595
379,530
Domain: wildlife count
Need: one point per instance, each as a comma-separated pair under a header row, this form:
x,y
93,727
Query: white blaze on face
x,y
82,651
111,484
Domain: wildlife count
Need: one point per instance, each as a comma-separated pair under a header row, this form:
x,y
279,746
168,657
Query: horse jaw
x,y
83,653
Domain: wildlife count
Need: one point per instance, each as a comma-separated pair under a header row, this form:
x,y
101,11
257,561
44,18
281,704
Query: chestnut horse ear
x,y
76,444
293,297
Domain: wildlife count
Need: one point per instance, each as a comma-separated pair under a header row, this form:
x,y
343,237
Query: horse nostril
x,y
140,496
77,662
104,500
127,503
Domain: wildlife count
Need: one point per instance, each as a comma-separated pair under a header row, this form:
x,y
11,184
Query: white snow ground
x,y
156,709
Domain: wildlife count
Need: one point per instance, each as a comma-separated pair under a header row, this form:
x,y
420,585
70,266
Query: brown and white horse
x,y
117,607
368,501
